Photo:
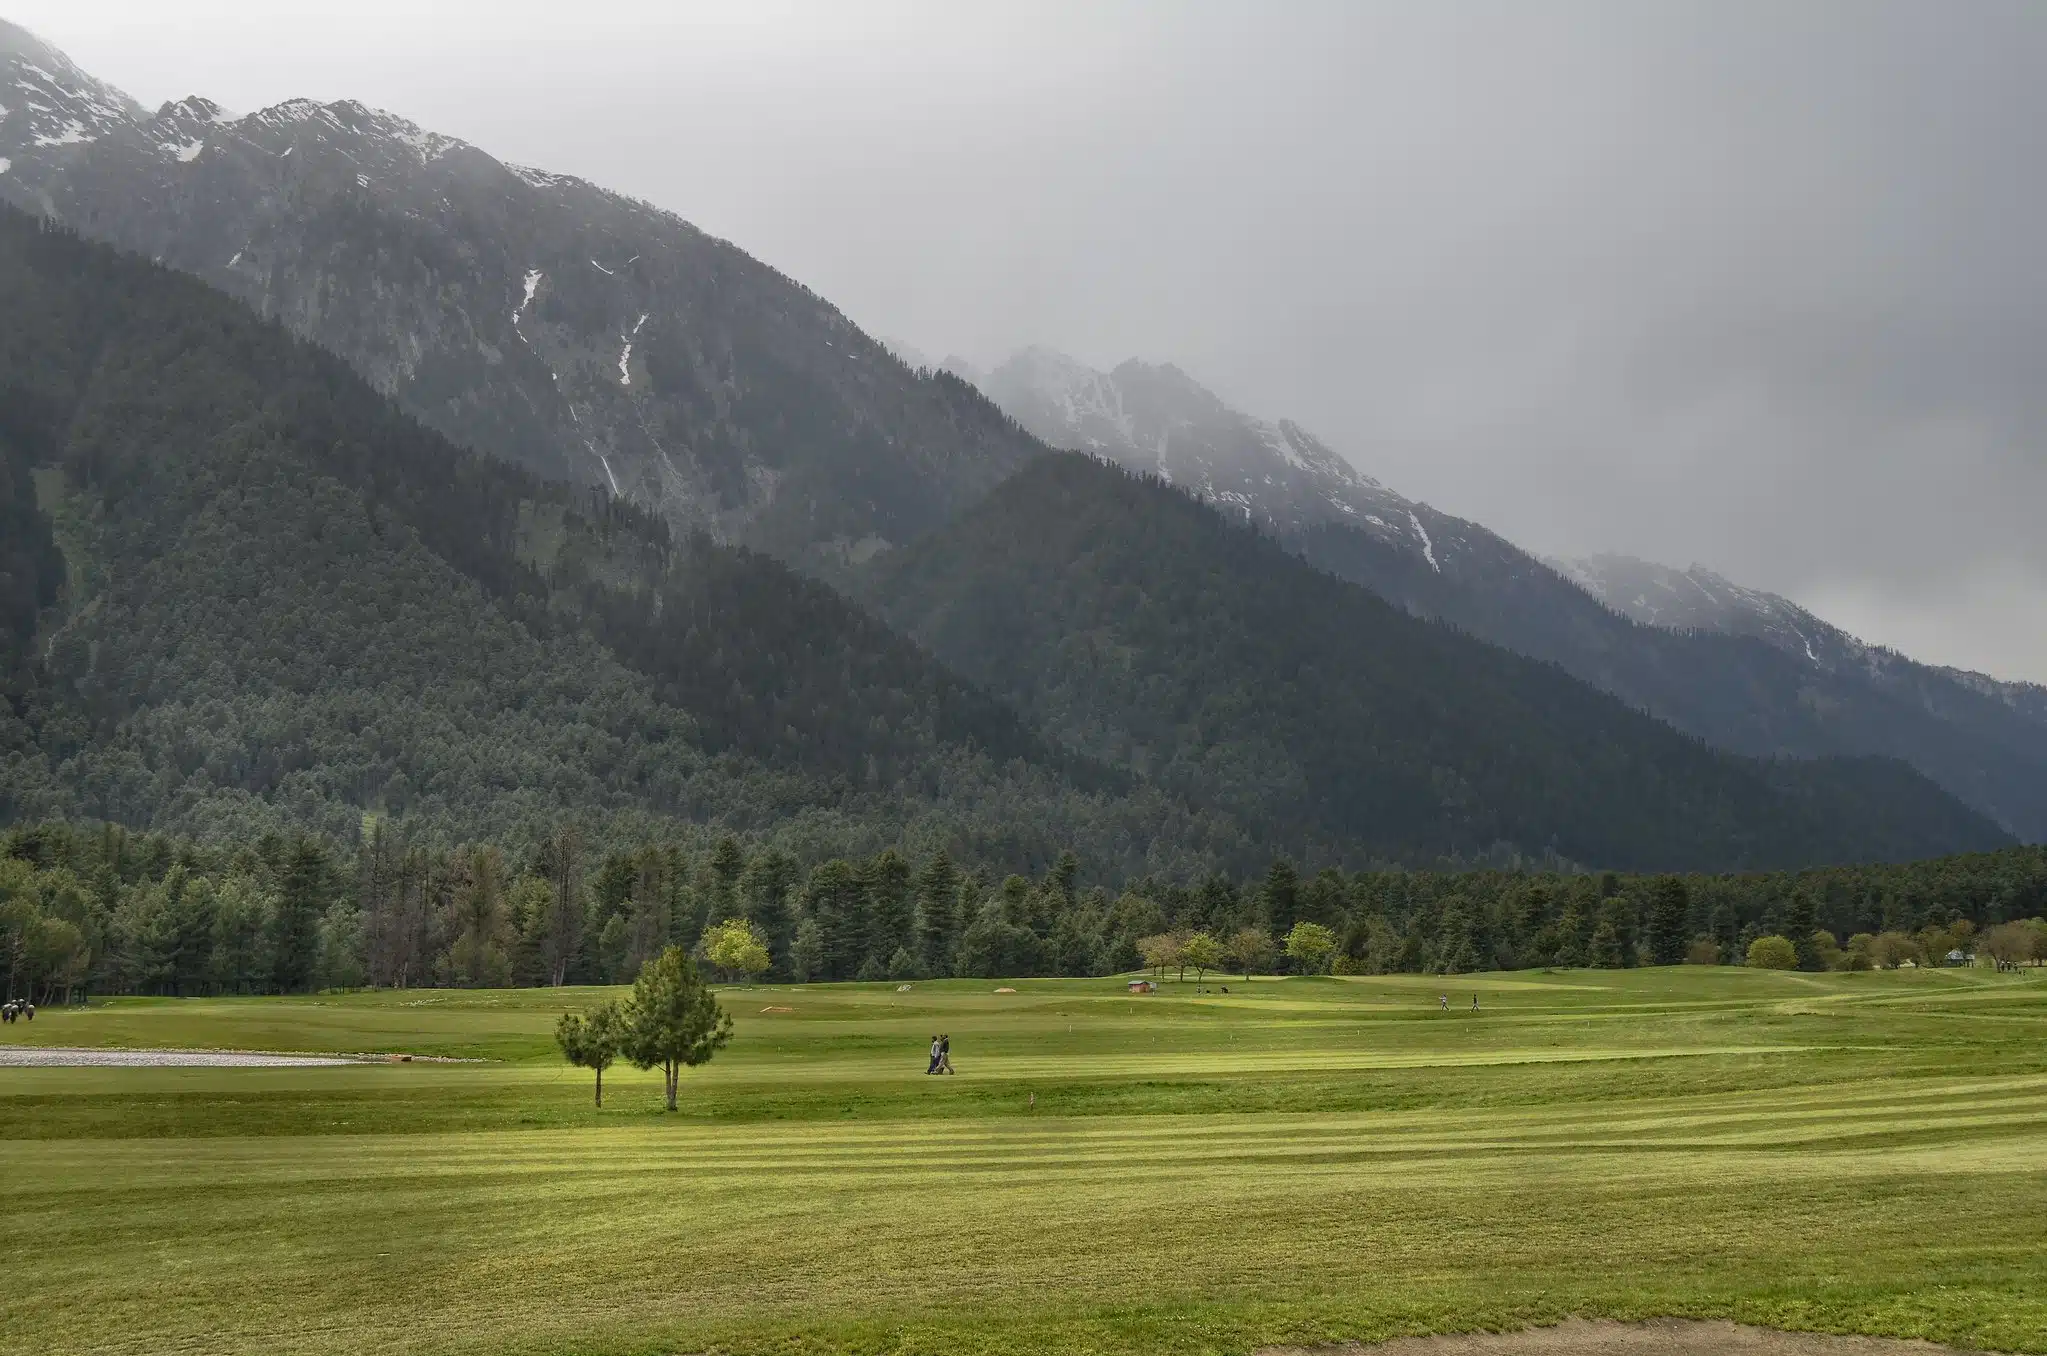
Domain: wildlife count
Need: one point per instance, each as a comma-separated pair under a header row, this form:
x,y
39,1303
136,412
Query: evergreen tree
x,y
672,1019
1801,921
834,900
937,913
1466,941
1667,923
1216,907
301,900
767,893
890,913
1282,897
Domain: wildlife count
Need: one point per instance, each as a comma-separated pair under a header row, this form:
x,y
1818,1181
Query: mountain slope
x,y
1751,673
576,332
1697,599
1158,420
288,604
1136,622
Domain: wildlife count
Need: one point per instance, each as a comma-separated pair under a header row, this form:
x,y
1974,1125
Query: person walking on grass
x,y
945,1054
1474,1002
937,1056
1444,999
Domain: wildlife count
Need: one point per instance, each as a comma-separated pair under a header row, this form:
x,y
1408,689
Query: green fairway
x,y
1297,1160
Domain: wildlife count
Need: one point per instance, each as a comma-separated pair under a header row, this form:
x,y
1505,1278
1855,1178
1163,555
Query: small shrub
x,y
1702,951
1772,953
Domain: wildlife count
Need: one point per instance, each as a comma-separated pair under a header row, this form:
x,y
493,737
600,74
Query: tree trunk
x,y
600,1086
674,1072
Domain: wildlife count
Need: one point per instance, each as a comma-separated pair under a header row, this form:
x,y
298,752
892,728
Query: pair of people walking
x,y
941,1055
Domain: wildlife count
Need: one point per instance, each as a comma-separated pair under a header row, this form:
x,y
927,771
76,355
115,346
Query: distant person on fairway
x,y
1444,999
1474,1002
945,1054
937,1056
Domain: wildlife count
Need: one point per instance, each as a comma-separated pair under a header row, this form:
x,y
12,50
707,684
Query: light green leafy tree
x,y
1203,952
1772,953
738,948
1161,951
1312,945
672,1019
1250,949
593,1040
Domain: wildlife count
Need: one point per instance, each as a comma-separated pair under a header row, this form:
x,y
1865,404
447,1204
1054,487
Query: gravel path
x,y
59,1056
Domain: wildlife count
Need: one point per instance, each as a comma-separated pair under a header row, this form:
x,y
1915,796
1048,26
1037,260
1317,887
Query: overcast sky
x,y
1758,285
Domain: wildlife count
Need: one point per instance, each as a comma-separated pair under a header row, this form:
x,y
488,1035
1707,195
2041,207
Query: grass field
x,y
1300,1160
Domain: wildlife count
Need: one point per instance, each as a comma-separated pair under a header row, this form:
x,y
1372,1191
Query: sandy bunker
x,y
57,1056
1657,1337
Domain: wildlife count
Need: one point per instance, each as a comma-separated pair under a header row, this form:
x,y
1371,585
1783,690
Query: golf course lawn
x,y
1297,1161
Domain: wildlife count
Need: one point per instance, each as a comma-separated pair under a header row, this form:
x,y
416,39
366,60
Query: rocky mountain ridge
x,y
1741,668
1154,418
1699,599
571,330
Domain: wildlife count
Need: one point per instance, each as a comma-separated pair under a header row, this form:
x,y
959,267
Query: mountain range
x,y
598,439
1744,669
579,333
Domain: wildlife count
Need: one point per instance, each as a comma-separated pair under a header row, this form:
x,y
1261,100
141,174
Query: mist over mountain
x,y
574,331
584,338
269,599
1145,628
1746,670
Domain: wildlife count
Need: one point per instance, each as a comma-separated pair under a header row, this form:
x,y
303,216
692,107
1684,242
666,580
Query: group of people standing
x,y
941,1055
15,1009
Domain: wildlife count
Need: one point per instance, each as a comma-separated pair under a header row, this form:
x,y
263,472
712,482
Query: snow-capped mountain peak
x,y
1699,599
47,102
1156,418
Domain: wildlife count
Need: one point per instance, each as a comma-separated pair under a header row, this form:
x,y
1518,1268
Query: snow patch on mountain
x,y
1698,599
1156,419
532,284
625,356
72,133
1428,547
539,178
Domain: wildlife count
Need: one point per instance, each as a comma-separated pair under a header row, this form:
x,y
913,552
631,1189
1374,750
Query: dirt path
x,y
1658,1337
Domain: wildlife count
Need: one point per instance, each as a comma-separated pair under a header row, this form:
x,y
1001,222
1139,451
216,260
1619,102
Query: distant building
x,y
1960,957
1141,986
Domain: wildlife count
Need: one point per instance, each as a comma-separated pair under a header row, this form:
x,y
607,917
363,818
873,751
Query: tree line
x,y
96,908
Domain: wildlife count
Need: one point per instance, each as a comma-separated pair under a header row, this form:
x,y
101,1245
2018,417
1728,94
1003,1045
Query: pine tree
x,y
890,914
1668,918
766,890
1282,897
1801,921
833,898
937,913
301,899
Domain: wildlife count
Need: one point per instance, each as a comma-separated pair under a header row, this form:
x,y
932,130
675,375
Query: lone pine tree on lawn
x,y
673,1020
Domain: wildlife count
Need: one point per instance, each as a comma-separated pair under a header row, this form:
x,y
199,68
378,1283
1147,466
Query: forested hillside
x,y
1748,693
94,907
575,331
1138,624
288,604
